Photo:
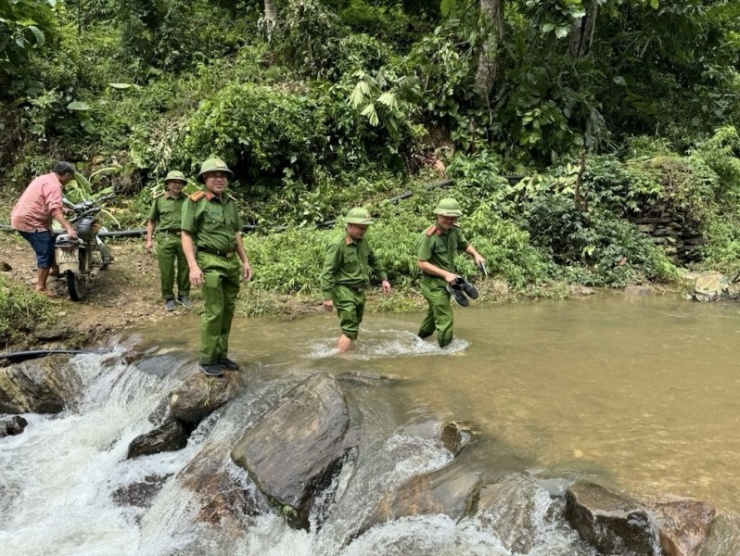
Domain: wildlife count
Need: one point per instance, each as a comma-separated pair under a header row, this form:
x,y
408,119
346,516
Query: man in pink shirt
x,y
32,215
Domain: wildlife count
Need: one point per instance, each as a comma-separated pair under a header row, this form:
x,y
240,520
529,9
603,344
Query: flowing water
x,y
639,394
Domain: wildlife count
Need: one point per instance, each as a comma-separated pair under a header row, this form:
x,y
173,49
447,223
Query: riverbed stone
x,y
222,493
45,385
171,435
298,446
14,425
511,510
456,435
200,395
611,523
637,291
447,491
683,525
714,287
140,493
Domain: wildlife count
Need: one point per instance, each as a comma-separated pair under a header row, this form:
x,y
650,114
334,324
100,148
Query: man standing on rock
x,y
32,215
438,245
211,225
346,274
164,218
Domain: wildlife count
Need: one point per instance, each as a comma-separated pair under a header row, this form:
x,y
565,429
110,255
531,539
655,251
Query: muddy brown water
x,y
638,393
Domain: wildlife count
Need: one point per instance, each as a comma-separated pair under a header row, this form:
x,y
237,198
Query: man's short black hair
x,y
62,167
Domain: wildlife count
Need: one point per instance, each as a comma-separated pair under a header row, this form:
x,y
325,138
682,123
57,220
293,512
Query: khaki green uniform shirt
x,y
439,248
166,211
348,263
212,222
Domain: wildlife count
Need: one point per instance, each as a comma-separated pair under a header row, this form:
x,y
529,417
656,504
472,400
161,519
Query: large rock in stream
x,y
200,395
46,385
615,524
684,526
223,494
192,401
298,446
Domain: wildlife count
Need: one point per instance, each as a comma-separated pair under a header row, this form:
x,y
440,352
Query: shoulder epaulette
x,y
431,230
197,196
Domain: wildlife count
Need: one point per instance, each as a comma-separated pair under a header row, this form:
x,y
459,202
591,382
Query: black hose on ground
x,y
18,356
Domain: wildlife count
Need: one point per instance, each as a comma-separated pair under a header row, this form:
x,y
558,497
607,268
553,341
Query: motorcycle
x,y
81,260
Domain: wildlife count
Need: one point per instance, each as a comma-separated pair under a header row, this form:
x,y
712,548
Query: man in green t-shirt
x,y
164,219
348,263
438,245
212,225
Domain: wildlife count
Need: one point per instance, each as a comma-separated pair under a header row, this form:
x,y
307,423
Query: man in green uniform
x,y
437,248
346,274
212,225
164,219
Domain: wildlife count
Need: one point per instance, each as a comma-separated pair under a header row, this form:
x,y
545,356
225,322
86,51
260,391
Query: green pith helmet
x,y
358,215
448,207
213,165
175,175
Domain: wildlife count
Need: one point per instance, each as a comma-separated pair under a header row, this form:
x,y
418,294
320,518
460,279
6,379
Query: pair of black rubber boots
x,y
460,289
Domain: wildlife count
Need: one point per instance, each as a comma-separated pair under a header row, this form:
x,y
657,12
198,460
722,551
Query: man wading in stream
x,y
164,218
346,274
211,225
438,245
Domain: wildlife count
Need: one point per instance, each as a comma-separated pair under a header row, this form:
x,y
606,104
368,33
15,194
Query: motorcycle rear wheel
x,y
75,286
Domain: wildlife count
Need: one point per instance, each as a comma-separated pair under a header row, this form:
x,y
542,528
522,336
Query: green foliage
x,y
171,34
260,131
25,26
613,251
288,262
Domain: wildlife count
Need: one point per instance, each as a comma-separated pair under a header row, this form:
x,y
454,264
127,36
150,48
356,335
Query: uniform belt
x,y
217,252
356,289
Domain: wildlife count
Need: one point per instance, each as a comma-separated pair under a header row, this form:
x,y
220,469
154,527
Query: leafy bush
x,y
260,131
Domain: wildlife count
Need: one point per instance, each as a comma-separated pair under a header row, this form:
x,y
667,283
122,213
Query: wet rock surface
x,y
46,385
610,523
684,526
458,434
511,510
221,488
199,395
14,425
298,445
171,435
714,287
141,493
446,491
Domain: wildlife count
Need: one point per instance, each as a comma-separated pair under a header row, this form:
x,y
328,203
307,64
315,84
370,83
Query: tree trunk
x,y
268,22
491,11
582,31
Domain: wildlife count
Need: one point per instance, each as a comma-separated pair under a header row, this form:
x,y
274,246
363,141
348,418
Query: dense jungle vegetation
x,y
613,111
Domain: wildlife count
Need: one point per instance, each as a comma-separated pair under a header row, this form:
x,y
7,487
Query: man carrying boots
x,y
164,219
346,274
436,259
212,225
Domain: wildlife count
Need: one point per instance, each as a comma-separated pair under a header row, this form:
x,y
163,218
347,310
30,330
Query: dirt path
x,y
125,295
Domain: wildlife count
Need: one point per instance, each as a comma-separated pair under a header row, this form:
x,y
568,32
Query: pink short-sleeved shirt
x,y
40,202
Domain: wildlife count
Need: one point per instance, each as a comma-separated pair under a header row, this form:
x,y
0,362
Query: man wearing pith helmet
x,y
164,219
348,264
211,225
438,245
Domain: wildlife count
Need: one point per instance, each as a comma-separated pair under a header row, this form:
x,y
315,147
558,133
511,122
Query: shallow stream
x,y
639,394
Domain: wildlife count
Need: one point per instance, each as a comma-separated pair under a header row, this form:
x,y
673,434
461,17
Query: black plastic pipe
x,y
18,356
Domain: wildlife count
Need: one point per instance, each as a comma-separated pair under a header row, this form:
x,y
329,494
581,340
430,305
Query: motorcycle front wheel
x,y
75,286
